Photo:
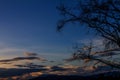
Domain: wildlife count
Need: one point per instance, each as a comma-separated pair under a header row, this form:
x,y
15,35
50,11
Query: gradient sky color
x,y
30,26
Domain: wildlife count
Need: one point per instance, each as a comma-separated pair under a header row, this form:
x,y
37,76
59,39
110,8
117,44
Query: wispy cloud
x,y
22,58
95,41
6,47
30,54
9,50
31,66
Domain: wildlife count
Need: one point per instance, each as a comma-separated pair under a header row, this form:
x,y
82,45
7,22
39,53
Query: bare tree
x,y
88,54
102,16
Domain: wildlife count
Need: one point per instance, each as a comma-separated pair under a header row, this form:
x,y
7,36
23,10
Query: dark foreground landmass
x,y
75,78
102,76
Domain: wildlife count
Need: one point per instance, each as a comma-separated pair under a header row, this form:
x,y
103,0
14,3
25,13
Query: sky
x,y
30,26
28,36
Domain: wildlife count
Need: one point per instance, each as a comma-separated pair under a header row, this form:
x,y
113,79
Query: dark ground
x,y
102,76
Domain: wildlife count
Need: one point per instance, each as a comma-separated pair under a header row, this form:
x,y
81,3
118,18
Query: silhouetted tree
x,y
101,16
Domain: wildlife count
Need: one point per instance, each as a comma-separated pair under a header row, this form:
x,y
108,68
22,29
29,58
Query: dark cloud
x,y
52,61
31,66
30,54
69,59
43,67
60,64
15,72
22,58
58,68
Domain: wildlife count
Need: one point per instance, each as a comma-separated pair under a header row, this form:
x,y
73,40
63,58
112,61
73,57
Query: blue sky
x,y
30,26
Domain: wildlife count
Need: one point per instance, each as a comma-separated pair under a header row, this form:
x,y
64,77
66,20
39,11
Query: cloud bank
x,y
22,58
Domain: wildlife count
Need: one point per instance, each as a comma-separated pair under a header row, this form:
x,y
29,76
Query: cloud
x,y
96,41
32,66
52,61
58,68
67,65
22,58
6,63
10,50
15,72
30,54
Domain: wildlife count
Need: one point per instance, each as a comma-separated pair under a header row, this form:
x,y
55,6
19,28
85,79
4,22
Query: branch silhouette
x,y
101,17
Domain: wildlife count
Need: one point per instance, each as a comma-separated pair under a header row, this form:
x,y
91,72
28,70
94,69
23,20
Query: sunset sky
x,y
30,42
30,26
